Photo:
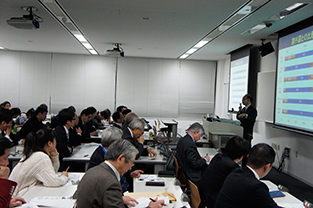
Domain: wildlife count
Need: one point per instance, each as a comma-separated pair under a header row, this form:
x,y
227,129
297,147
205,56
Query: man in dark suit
x,y
100,186
219,168
188,156
133,134
84,117
247,116
243,188
118,119
66,118
35,122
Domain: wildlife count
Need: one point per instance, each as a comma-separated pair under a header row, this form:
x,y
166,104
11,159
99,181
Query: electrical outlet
x,y
287,152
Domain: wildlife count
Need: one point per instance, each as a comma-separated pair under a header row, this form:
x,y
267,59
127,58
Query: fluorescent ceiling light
x,y
183,56
254,29
292,7
240,14
1,47
192,50
93,52
80,37
87,45
59,14
201,43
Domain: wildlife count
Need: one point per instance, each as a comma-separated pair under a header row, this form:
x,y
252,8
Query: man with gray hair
x,y
100,186
133,134
187,154
128,119
110,135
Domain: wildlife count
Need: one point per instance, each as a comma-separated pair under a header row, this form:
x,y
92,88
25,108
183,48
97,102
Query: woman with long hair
x,y
39,163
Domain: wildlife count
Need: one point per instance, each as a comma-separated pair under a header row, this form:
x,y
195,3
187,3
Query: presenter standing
x,y
247,117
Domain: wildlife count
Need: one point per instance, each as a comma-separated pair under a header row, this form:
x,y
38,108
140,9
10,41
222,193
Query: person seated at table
x,y
219,168
84,117
76,137
66,121
7,186
39,163
35,122
133,134
92,125
121,108
110,135
118,119
128,118
243,188
188,156
5,105
100,186
6,126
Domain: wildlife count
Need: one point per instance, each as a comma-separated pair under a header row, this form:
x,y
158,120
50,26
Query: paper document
x,y
53,201
290,205
144,178
144,202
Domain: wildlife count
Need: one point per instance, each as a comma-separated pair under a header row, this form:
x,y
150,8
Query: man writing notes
x,y
243,188
187,154
247,117
100,186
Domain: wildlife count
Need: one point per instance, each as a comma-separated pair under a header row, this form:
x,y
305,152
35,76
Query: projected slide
x,y
294,92
238,85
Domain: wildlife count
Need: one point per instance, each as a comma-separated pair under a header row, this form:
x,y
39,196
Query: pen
x,y
155,201
68,167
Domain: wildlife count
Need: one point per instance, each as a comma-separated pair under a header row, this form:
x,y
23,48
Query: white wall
x,y
150,87
300,164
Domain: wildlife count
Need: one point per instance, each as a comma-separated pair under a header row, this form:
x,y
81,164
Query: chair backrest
x,y
180,174
195,196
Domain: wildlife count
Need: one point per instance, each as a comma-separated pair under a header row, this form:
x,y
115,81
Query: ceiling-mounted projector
x,y
115,52
30,21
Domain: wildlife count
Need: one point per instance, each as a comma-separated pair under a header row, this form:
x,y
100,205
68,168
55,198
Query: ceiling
x,y
174,26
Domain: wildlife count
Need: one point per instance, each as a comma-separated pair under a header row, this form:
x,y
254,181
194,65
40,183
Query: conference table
x,y
53,197
142,190
287,201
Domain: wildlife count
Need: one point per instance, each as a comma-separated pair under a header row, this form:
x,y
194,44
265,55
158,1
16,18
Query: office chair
x,y
180,174
195,196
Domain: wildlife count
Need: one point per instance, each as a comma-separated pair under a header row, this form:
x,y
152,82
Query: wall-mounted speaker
x,y
266,49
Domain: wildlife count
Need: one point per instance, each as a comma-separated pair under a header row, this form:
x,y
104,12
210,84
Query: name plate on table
x,y
155,183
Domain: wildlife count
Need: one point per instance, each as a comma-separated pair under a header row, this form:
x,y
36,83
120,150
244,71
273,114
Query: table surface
x,y
140,186
287,201
82,153
67,190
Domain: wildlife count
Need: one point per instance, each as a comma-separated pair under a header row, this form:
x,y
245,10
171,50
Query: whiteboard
x,y
265,95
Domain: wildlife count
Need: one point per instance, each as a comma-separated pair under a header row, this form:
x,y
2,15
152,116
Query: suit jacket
x,y
6,190
96,158
99,188
75,138
139,146
85,131
213,178
248,123
189,158
62,142
117,126
242,189
31,125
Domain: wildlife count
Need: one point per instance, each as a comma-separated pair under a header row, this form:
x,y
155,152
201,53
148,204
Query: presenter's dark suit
x,y
31,125
189,158
213,178
139,146
248,123
99,188
242,189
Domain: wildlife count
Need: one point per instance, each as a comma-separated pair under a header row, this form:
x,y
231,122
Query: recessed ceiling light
x,y
201,43
183,56
2,48
192,50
